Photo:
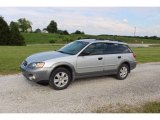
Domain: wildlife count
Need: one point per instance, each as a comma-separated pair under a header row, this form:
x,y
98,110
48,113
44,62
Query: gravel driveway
x,y
20,95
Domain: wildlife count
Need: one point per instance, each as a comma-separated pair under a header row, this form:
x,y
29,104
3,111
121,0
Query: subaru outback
x,y
79,59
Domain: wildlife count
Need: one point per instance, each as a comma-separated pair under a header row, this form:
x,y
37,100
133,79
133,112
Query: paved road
x,y
19,95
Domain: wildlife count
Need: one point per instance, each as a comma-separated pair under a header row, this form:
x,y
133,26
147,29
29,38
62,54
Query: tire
x,y
60,78
122,72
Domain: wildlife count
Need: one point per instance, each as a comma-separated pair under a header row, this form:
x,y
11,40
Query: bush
x,y
60,37
78,38
52,41
37,31
78,32
67,40
63,32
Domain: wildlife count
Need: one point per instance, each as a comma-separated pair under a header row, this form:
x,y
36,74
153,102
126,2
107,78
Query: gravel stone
x,y
18,95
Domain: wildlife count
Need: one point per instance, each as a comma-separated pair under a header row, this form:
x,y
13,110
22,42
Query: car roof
x,y
96,40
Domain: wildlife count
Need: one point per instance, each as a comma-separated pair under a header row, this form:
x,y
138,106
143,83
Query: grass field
x,y
150,54
149,107
12,56
38,38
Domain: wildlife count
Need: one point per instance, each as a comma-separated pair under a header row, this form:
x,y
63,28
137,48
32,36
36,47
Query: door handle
x,y
100,58
119,57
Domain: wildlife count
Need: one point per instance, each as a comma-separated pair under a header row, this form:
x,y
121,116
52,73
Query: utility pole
x,y
134,31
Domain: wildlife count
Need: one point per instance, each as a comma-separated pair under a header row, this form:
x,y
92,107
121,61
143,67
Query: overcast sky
x,y
91,20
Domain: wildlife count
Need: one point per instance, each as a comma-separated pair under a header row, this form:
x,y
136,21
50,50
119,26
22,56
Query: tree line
x,y
52,28
11,34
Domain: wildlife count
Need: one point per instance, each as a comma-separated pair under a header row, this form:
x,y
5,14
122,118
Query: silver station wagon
x,y
79,59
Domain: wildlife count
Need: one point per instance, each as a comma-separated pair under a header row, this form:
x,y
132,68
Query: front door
x,y
91,59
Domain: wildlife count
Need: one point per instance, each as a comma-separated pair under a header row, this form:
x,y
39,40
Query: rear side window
x,y
124,48
114,48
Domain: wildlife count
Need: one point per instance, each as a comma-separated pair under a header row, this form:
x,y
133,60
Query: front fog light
x,y
32,77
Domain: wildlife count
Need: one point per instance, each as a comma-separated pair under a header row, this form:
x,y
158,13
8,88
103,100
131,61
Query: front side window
x,y
94,49
73,47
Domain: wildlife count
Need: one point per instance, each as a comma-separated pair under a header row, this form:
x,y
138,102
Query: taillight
x,y
134,55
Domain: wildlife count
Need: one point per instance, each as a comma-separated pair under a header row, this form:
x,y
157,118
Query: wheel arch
x,y
68,66
127,63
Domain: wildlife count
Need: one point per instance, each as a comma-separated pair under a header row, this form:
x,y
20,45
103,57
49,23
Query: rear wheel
x,y
60,78
122,72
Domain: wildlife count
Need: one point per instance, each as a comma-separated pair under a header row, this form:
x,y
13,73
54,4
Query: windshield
x,y
73,47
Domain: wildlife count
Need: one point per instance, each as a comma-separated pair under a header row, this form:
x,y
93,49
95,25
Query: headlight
x,y
36,65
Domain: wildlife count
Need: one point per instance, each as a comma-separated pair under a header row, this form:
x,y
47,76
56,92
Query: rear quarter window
x,y
124,49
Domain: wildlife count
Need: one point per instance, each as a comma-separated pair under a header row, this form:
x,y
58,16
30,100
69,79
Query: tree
x,y
146,37
16,37
154,37
78,32
52,27
63,32
37,30
4,32
24,25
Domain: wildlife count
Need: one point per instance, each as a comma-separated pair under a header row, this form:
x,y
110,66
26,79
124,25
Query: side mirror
x,y
84,53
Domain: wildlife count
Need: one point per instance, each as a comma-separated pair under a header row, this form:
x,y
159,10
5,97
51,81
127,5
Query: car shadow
x,y
94,78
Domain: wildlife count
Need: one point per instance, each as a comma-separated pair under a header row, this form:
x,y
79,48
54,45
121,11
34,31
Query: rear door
x,y
112,57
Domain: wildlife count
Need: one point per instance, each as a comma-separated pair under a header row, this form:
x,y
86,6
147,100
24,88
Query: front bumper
x,y
36,75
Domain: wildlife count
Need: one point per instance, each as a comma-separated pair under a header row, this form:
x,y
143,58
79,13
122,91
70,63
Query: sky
x,y
91,20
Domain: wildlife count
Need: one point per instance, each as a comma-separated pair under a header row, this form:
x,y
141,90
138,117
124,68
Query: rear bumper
x,y
36,75
133,65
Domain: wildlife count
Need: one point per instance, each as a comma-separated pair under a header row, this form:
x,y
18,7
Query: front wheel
x,y
60,78
122,72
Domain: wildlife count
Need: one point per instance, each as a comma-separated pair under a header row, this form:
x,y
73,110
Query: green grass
x,y
39,38
149,107
12,56
150,54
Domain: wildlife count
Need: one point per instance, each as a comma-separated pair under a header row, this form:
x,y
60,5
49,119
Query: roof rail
x,y
110,40
117,40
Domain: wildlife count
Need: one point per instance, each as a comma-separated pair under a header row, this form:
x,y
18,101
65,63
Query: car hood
x,y
43,56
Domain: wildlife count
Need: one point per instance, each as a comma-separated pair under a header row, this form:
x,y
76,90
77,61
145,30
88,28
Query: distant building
x,y
44,31
28,30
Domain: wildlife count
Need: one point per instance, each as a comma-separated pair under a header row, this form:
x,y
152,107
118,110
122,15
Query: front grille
x,y
25,63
